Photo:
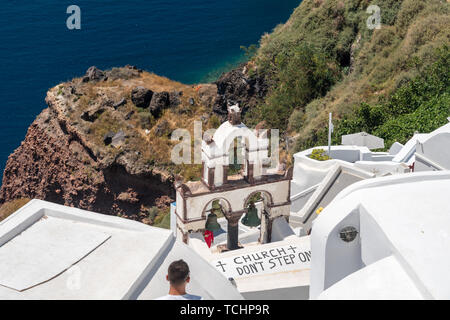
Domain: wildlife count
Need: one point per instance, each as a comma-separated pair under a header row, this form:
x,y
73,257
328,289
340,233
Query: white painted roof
x,y
338,178
45,249
405,217
406,154
49,251
382,280
309,174
433,150
363,139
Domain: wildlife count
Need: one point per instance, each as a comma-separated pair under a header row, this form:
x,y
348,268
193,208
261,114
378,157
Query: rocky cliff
x,y
103,144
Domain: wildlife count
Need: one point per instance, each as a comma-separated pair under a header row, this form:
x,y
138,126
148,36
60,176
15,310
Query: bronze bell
x,y
251,218
211,223
215,206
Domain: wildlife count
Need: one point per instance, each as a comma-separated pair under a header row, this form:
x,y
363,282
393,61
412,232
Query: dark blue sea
x,y
190,41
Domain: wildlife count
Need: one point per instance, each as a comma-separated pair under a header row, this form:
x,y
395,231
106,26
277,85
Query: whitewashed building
x,y
384,238
315,183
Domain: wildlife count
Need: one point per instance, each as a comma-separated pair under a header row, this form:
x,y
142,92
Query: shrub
x,y
163,220
146,120
319,154
250,51
9,208
305,73
152,213
214,121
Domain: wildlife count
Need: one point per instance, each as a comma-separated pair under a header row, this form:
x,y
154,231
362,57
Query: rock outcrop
x,y
237,86
141,97
56,163
94,74
160,101
92,114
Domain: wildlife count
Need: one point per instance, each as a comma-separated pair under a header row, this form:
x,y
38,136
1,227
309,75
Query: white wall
x,y
404,217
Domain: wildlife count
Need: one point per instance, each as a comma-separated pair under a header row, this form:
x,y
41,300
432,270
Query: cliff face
x,y
55,162
67,158
103,144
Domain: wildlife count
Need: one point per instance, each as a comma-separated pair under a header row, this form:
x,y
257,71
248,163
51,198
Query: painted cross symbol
x,y
292,248
220,264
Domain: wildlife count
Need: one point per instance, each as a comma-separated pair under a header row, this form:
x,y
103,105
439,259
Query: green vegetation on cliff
x,y
9,208
422,105
389,81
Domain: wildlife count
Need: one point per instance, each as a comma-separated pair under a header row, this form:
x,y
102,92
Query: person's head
x,y
178,274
